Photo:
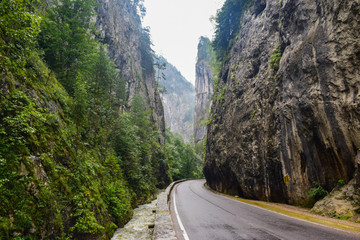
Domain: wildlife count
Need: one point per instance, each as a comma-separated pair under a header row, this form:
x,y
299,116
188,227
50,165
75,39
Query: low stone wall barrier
x,y
164,227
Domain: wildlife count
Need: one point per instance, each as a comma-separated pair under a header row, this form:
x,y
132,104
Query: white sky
x,y
176,26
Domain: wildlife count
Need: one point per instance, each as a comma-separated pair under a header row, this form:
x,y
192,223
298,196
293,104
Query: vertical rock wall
x,y
119,27
204,89
275,129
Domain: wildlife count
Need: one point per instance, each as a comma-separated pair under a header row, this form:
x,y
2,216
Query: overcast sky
x,y
176,26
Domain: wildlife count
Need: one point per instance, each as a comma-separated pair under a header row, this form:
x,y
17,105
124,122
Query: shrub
x,y
221,95
318,192
118,200
340,183
275,59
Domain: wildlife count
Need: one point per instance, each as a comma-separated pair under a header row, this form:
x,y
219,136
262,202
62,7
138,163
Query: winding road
x,y
199,214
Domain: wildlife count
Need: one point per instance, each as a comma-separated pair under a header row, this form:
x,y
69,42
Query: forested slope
x,y
77,151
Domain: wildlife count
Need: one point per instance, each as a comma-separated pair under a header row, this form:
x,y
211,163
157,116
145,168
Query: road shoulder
x,y
296,212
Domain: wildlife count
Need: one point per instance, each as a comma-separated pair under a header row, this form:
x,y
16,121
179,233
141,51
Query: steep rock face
x,y
178,98
277,128
120,28
204,89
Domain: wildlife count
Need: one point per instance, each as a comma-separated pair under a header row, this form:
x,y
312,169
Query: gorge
x,y
82,126
92,124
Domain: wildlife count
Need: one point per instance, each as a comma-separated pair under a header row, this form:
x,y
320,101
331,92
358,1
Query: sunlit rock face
x,y
275,130
120,28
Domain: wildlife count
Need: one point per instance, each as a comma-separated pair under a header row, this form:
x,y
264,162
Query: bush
x,y
340,183
318,192
118,200
275,59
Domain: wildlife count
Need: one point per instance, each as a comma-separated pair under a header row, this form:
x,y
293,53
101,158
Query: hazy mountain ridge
x,y
178,98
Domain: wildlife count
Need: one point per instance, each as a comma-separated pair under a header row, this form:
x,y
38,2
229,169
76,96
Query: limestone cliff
x,y
120,28
178,98
286,110
203,88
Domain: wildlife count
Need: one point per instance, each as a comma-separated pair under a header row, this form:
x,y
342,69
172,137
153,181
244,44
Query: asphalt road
x,y
204,215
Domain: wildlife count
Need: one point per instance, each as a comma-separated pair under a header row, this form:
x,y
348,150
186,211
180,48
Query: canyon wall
x,y
119,26
286,110
204,88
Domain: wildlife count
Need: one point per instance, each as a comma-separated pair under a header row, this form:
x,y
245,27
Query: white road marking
x,y
186,237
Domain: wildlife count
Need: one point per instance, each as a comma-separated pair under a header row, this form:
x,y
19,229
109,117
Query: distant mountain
x,y
178,98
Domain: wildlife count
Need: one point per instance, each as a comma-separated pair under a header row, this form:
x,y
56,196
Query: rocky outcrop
x,y
341,203
286,111
120,28
178,97
204,89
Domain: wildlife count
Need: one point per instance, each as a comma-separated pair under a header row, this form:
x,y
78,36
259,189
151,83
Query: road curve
x,y
205,216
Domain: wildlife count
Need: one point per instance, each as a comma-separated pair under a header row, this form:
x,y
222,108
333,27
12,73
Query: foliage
x,y
183,160
203,122
228,25
205,50
20,125
66,38
200,148
221,94
147,54
71,163
207,54
275,59
318,192
117,197
19,26
160,65
340,183
85,218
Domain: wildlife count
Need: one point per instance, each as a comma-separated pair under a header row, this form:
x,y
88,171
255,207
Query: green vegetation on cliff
x,y
73,161
228,25
205,52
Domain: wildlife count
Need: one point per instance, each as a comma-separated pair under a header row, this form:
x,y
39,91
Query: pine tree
x,y
66,38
